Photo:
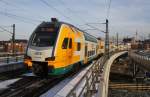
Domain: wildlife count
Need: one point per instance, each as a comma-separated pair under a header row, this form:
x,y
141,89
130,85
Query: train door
x,y
64,50
85,50
69,51
86,53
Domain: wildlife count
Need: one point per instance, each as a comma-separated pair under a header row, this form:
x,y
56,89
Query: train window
x,y
65,43
70,43
78,46
89,53
43,39
97,49
86,52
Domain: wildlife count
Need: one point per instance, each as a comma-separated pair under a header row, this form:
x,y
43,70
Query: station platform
x,y
5,67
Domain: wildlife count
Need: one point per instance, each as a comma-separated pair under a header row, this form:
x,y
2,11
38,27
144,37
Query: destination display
x,y
47,29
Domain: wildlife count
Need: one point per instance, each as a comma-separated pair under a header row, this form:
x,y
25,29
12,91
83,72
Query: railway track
x,y
129,87
29,87
12,74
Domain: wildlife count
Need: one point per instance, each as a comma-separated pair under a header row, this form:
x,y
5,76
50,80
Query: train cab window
x,y
65,43
70,43
78,46
43,39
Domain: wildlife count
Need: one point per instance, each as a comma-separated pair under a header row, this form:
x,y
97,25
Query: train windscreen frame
x,y
44,36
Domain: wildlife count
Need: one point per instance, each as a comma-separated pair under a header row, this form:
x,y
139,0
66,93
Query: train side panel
x,y
67,51
90,51
91,48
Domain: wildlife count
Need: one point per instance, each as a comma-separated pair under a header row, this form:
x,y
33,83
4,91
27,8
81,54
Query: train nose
x,y
40,69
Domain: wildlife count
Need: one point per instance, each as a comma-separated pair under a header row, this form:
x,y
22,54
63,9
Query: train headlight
x,y
50,59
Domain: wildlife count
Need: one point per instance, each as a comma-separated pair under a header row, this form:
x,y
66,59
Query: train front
x,y
41,47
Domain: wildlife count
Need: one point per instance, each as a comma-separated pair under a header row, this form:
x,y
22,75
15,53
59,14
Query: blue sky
x,y
126,16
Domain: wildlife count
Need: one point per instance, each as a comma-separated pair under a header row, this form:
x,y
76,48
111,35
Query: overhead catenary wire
x,y
5,30
4,26
20,18
95,28
33,21
10,4
6,13
86,24
59,12
14,16
108,9
71,11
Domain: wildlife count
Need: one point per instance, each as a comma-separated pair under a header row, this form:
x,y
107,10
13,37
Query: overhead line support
x,y
107,40
13,39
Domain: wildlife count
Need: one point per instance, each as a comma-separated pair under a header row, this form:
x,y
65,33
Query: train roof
x,y
87,36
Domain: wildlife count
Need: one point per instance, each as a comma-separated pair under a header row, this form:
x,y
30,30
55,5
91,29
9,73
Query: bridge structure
x,y
140,63
103,88
93,81
140,59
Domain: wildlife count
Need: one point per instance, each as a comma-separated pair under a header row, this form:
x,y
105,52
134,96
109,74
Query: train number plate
x,y
38,53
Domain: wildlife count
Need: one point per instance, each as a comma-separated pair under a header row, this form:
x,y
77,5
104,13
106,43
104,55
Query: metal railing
x,y
9,58
5,54
140,59
88,84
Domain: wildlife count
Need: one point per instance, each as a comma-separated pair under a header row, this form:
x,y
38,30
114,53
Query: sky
x,y
126,17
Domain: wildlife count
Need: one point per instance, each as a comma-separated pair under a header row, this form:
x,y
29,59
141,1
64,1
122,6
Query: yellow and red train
x,y
56,48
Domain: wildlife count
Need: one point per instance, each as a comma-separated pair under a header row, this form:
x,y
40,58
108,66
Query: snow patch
x,y
4,84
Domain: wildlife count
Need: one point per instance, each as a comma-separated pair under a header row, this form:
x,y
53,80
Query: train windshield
x,y
43,38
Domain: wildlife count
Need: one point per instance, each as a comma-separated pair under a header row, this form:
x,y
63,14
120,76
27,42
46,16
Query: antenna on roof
x,y
54,20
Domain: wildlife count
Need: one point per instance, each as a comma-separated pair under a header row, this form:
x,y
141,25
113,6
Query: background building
x,y
7,46
146,44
